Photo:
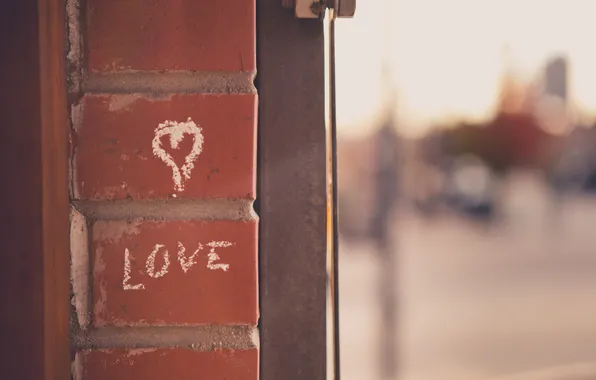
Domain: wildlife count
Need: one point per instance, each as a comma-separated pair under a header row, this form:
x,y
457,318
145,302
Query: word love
x,y
185,262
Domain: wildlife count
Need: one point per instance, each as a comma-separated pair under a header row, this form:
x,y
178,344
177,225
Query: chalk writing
x,y
150,264
186,263
213,257
125,284
176,131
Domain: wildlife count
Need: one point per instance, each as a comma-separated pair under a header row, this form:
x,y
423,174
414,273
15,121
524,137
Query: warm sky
x,y
447,55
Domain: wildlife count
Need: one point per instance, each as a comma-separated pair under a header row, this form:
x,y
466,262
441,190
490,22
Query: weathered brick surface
x,y
160,364
167,113
115,149
171,35
141,275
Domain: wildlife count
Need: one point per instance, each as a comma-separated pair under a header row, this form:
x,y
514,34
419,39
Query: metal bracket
x,y
316,8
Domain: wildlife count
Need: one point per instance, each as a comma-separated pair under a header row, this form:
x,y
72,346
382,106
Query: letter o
x,y
150,263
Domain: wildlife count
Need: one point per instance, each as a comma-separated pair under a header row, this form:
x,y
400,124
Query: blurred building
x,y
555,78
552,108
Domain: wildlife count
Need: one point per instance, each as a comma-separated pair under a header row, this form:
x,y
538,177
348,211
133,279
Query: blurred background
x,y
467,190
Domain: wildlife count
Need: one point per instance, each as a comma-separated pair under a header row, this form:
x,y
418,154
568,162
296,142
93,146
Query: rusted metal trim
x,y
54,190
292,189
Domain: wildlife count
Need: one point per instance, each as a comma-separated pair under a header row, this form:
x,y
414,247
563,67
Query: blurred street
x,y
514,298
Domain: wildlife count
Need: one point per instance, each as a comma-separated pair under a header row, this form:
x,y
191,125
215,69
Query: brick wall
x,y
163,153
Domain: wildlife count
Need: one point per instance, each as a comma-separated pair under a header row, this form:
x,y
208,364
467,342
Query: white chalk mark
x,y
213,256
176,131
185,263
219,244
150,264
125,284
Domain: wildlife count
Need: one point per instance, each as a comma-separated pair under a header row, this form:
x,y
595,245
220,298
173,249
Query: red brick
x,y
173,297
159,364
114,157
171,35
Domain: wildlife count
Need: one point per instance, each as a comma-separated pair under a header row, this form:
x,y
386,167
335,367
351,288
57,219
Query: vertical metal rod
x,y
332,172
335,210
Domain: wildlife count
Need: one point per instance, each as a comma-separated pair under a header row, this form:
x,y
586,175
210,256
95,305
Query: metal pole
x,y
333,246
387,181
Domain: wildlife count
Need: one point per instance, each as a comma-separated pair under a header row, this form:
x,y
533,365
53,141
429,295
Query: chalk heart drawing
x,y
176,131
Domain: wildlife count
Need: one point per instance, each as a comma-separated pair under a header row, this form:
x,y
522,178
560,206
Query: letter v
x,y
185,263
